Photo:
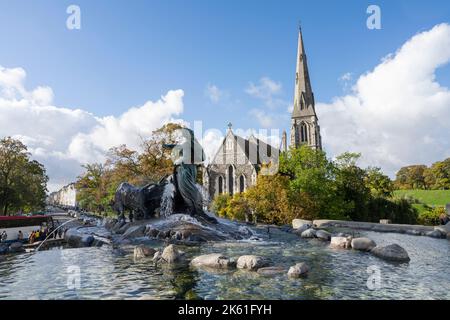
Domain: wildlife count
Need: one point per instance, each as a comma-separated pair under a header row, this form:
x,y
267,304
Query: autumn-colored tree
x,y
155,162
269,200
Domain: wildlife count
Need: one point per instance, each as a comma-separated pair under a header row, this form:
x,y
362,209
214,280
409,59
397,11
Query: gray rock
x,y
75,238
445,229
4,248
323,235
124,228
109,223
300,230
363,244
309,233
87,240
142,251
413,232
251,262
16,247
157,256
171,254
391,252
298,223
299,270
435,234
134,232
340,242
271,271
118,225
213,260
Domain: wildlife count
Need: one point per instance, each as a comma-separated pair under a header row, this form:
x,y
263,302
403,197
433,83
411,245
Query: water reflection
x,y
112,273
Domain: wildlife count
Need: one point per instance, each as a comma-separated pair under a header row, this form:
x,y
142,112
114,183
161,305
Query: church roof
x,y
251,148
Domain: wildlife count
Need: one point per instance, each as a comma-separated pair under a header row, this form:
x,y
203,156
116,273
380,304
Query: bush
x,y
431,217
396,210
220,204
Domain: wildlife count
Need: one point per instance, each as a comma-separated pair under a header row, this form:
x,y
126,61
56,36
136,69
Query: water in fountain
x,y
167,200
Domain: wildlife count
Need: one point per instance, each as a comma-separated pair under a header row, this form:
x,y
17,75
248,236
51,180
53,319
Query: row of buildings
x,y
65,197
238,161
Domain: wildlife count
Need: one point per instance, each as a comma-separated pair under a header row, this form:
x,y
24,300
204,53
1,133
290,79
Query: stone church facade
x,y
238,161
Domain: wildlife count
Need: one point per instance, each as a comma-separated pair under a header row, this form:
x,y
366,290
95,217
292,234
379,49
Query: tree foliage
x,y
99,182
310,186
436,177
23,182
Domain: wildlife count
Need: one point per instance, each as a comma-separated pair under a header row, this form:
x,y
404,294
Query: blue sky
x,y
131,52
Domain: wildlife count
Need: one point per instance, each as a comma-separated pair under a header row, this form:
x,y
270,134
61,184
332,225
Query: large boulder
x,y
16,247
171,255
298,270
213,260
436,233
363,244
134,232
445,229
309,233
75,238
251,262
142,251
391,252
299,223
300,230
323,235
340,242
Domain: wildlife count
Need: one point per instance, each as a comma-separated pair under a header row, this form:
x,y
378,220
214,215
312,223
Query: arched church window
x,y
220,185
241,183
230,180
303,132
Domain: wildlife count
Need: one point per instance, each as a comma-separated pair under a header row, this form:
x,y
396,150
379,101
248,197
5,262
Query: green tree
x,y
351,186
379,184
313,183
411,177
23,182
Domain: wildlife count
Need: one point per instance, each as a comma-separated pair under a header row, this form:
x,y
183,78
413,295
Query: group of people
x,y
42,233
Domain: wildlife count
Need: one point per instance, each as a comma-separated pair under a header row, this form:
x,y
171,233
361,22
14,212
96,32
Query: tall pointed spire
x,y
304,123
303,95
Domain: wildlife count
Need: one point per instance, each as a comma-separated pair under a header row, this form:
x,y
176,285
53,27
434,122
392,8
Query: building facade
x,y
238,161
65,197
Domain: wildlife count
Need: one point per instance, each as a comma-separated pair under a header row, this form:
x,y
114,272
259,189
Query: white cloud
x,y
397,114
268,91
64,138
213,93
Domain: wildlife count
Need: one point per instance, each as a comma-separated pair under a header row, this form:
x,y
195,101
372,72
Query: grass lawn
x,y
429,197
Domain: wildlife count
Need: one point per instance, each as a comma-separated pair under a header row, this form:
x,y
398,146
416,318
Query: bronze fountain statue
x,y
180,188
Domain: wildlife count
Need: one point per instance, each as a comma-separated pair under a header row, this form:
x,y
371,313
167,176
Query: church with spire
x,y
238,161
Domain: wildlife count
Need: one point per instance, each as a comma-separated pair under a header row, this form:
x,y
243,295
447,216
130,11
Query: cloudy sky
x,y
72,94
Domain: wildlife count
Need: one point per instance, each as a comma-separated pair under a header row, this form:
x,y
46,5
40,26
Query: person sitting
x,y
20,235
